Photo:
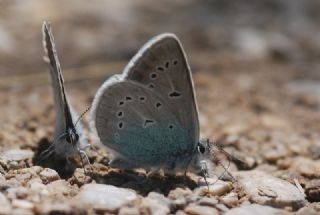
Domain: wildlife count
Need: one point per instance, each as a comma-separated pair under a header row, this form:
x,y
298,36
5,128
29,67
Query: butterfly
x,y
67,142
148,116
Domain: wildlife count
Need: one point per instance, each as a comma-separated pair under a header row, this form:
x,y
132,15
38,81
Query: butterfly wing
x,y
64,118
152,121
65,115
161,65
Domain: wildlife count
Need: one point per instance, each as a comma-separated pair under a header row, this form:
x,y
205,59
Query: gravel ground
x,y
257,80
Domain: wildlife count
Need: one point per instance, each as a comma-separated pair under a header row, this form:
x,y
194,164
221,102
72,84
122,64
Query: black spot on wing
x,y
174,94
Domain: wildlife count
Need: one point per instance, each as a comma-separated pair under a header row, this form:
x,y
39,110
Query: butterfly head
x,y
199,164
72,136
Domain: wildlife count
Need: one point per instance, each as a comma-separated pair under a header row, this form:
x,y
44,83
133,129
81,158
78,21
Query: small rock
x,y
306,166
265,189
128,211
206,201
222,207
56,208
231,199
255,209
23,204
179,212
16,155
200,210
310,209
80,178
23,178
216,187
61,188
314,150
103,197
5,204
19,211
180,197
312,190
157,204
276,153
36,184
48,175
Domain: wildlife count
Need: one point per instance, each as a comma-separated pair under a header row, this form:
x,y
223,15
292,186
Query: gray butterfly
x,y
67,143
148,116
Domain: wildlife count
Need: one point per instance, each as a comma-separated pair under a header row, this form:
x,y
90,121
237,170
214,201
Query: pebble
x,y
276,153
180,212
231,199
48,175
216,187
255,209
23,204
179,197
206,201
5,204
265,189
306,166
104,197
310,209
16,155
36,184
80,178
56,208
157,204
312,190
128,211
194,209
20,211
61,188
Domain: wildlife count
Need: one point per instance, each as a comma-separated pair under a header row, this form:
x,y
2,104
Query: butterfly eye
x,y
201,149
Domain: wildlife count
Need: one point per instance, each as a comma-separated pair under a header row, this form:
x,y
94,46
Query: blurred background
x,y
255,63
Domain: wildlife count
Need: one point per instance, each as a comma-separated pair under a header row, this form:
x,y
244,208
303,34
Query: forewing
x,y
162,67
63,112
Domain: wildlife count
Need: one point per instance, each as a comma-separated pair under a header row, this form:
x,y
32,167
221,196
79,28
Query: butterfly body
x,y
148,116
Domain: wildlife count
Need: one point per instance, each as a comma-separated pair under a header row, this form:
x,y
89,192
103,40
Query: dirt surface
x,y
257,80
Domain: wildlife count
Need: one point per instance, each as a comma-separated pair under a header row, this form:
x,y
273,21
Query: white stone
x,y
265,189
255,209
5,204
103,197
16,155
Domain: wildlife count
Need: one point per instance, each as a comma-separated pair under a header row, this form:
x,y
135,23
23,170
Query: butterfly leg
x,y
153,172
204,171
83,154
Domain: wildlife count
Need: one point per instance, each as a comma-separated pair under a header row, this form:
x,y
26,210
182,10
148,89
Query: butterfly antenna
x,y
80,117
225,168
229,156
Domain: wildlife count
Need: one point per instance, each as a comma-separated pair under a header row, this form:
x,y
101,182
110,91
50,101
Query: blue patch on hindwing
x,y
154,145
